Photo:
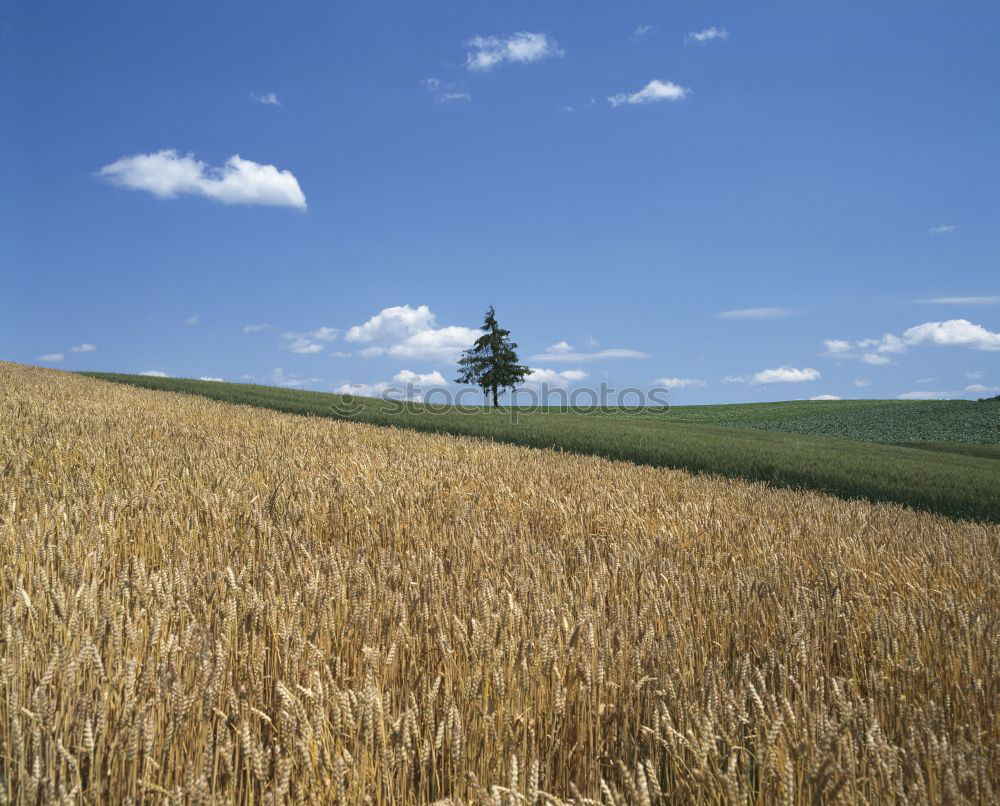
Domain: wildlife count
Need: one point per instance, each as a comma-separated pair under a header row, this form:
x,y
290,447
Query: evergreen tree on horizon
x,y
492,362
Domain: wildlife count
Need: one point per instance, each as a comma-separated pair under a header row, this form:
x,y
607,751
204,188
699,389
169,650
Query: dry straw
x,y
206,603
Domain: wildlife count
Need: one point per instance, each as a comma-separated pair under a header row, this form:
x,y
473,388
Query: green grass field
x,y
941,456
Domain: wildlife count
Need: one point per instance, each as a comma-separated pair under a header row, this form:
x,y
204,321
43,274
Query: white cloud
x,y
191,320
654,91
256,328
409,377
444,93
707,35
562,352
154,373
926,395
642,30
268,99
974,376
826,397
836,346
208,378
887,344
310,342
978,388
166,174
926,380
51,357
551,377
292,381
678,383
82,348
410,333
785,374
952,333
363,389
757,313
861,382
942,229
405,385
489,51
962,301
559,347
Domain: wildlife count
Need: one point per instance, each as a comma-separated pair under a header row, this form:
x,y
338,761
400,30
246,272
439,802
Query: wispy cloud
x,y
942,229
166,174
309,342
82,348
678,383
51,358
444,93
155,373
256,328
563,352
267,98
191,320
757,313
489,51
707,35
642,31
961,301
782,374
653,92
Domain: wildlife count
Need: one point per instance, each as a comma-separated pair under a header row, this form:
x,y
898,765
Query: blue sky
x,y
751,201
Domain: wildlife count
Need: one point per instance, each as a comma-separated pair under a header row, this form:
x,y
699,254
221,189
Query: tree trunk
x,y
496,403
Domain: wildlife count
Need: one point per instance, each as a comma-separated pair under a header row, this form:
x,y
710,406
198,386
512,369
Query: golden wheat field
x,y
210,604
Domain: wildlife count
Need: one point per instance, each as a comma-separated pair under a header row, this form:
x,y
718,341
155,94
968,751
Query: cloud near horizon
x,y
554,378
166,175
782,374
949,333
405,332
678,383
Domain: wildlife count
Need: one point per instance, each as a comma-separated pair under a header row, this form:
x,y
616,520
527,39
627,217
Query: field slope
x,y
833,446
209,603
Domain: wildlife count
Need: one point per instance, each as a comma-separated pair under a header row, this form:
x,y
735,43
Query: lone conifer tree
x,y
491,362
